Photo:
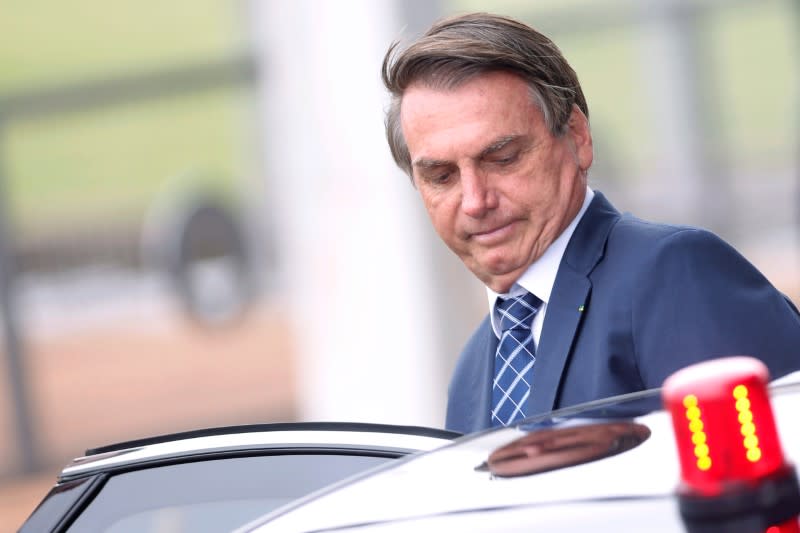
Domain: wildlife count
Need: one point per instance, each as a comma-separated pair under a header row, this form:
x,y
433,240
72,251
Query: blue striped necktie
x,y
513,362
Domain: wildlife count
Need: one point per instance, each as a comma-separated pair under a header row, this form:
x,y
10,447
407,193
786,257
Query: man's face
x,y
498,186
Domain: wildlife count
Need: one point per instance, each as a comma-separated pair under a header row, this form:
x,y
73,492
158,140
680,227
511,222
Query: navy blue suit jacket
x,y
632,302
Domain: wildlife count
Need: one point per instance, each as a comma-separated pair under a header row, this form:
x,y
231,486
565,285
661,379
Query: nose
x,y
478,197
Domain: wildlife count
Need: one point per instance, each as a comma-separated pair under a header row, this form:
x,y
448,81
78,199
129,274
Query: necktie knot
x,y
517,312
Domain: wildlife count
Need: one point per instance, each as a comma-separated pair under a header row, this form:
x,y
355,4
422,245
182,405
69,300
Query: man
x,y
490,122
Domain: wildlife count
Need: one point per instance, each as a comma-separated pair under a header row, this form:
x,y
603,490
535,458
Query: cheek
x,y
539,187
443,212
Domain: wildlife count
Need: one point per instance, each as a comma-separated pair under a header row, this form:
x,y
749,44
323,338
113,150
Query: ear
x,y
581,136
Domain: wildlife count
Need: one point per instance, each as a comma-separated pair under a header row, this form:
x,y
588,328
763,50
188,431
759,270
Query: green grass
x,y
49,43
87,166
755,51
111,163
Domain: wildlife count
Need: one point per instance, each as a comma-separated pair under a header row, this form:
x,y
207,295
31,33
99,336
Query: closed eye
x,y
441,179
436,175
504,160
433,171
505,151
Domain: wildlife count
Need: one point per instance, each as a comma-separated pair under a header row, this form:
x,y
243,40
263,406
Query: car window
x,y
211,495
49,514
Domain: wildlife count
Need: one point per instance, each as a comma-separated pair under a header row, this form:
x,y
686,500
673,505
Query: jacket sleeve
x,y
699,299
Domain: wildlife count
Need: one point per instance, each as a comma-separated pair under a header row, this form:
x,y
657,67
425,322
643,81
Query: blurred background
x,y
200,223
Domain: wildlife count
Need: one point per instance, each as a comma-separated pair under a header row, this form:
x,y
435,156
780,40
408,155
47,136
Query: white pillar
x,y
353,239
675,169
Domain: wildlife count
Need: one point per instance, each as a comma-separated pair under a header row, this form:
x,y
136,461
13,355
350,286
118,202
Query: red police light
x,y
733,469
723,423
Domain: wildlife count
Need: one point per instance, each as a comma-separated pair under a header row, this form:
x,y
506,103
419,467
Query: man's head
x,y
490,122
457,49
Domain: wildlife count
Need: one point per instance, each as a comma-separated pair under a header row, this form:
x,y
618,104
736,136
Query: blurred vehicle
x,y
215,479
702,454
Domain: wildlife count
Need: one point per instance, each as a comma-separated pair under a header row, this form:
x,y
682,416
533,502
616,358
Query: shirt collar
x,y
540,276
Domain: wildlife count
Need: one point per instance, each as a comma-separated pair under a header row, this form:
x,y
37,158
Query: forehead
x,y
444,122
486,88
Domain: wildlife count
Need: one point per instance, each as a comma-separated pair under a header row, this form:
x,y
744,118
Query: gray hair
x,y
455,50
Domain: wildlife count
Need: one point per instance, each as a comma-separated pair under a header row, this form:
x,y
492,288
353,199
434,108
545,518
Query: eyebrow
x,y
424,163
498,145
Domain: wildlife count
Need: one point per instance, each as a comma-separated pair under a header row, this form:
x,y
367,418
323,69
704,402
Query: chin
x,y
500,282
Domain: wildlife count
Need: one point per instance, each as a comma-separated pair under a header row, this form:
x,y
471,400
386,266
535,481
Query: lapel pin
x,y
580,309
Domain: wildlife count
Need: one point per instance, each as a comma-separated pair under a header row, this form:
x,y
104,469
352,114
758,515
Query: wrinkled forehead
x,y
441,124
451,87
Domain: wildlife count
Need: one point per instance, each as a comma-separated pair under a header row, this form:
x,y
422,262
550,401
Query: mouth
x,y
493,235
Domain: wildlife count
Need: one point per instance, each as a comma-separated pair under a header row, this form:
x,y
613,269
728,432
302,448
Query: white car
x,y
667,460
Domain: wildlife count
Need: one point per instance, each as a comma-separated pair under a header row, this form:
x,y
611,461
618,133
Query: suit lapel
x,y
567,302
560,324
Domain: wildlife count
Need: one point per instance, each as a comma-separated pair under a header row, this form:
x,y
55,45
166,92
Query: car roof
x,y
319,437
450,480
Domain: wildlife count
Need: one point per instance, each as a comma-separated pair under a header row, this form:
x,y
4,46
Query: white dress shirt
x,y
539,278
